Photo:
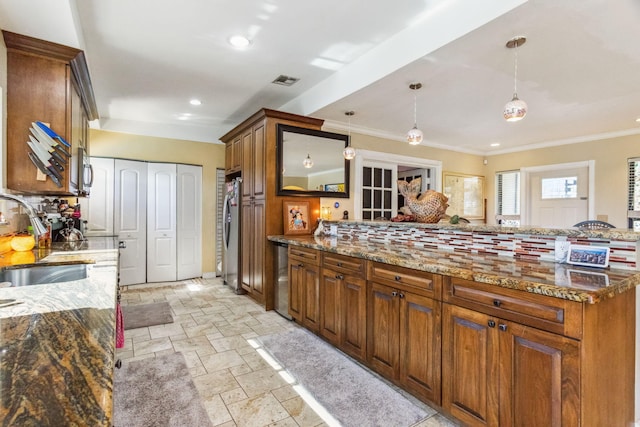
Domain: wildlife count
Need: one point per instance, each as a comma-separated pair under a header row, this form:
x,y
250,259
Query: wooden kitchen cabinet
x,y
304,281
343,304
498,369
233,156
404,328
50,83
253,148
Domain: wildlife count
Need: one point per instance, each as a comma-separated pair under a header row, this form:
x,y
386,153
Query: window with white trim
x,y
508,198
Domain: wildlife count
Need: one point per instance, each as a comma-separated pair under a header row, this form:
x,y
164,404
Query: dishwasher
x,y
282,280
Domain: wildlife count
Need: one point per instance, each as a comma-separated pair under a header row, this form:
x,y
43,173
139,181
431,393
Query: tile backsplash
x,y
524,246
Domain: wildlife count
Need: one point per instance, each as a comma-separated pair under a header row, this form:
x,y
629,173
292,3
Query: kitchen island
x,y
58,343
477,320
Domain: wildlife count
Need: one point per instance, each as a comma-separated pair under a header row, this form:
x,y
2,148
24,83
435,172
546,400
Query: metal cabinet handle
x,y
497,302
339,264
502,327
491,323
397,278
394,294
300,265
339,276
401,295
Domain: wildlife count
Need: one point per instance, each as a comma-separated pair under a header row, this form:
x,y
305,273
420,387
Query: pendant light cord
x,y
415,109
515,74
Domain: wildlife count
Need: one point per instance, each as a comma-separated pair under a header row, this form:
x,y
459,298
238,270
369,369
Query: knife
x,y
52,134
43,137
43,169
44,159
56,159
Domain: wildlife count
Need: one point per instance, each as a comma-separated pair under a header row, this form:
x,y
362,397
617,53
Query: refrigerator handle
x,y
225,212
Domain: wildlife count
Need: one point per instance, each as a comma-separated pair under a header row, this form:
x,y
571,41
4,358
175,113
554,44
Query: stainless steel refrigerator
x,y
231,235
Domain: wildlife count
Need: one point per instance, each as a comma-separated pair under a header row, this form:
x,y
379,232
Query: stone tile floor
x,y
213,328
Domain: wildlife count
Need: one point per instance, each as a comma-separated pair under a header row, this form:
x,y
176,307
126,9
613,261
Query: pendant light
x,y
349,152
308,163
515,109
414,136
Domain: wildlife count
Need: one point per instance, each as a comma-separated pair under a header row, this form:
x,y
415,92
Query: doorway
x,y
376,175
558,195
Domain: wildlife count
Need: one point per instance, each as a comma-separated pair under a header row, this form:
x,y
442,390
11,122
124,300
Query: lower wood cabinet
x,y
304,272
343,304
404,328
487,355
497,372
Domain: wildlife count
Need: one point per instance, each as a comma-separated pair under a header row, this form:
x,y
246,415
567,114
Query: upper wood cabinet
x,y
50,83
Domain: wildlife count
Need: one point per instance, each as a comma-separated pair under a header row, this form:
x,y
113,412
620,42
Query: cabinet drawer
x,y
311,256
539,311
344,264
405,277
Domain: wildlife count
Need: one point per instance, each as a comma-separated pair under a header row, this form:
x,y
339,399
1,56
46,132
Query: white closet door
x,y
161,223
98,209
130,224
189,221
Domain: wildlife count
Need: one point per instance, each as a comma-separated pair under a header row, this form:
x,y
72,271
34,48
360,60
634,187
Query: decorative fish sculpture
x,y
429,207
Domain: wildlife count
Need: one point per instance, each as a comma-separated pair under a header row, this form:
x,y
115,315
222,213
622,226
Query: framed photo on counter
x,y
589,256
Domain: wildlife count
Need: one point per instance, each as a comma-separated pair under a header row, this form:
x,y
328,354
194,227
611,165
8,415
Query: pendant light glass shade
x,y
349,152
515,109
307,162
414,136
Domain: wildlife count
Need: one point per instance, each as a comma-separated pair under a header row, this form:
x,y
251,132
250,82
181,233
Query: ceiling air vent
x,y
285,80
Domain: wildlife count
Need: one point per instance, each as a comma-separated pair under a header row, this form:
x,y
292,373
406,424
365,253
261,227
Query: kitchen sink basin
x,y
43,274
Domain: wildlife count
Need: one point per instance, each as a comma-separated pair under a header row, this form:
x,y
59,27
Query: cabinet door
x,y
420,345
247,164
354,317
295,288
236,154
259,248
383,339
259,166
538,364
330,297
311,297
247,237
470,366
228,158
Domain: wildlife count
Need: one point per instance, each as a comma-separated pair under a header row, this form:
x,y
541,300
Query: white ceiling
x,y
579,70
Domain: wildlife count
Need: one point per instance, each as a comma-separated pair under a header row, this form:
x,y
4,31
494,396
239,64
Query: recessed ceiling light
x,y
195,102
239,41
495,144
638,120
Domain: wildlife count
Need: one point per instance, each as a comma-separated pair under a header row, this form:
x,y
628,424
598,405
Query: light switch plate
x,y
562,250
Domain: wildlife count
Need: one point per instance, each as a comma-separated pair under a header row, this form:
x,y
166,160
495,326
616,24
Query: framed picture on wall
x,y
465,193
296,217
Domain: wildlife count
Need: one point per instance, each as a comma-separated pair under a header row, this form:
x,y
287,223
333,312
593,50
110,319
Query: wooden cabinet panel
x,y
259,159
469,366
420,345
311,299
421,282
354,317
383,330
330,303
296,289
540,364
344,304
247,163
547,313
304,287
497,372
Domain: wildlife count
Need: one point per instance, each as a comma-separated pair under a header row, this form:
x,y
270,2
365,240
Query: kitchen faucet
x,y
38,228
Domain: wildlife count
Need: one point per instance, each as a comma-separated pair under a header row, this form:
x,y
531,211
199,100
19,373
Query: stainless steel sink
x,y
43,274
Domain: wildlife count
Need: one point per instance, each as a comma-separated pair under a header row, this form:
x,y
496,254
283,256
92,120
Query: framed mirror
x,y
311,163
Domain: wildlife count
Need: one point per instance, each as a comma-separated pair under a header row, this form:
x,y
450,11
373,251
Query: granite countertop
x,y
58,345
581,284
